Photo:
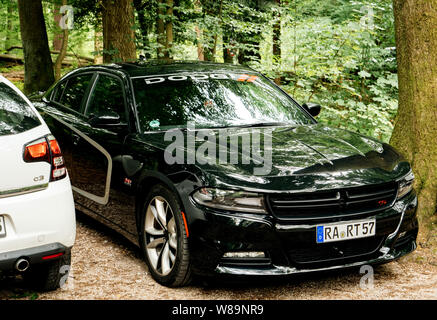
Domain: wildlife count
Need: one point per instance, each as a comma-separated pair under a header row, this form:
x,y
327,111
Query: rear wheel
x,y
49,276
164,239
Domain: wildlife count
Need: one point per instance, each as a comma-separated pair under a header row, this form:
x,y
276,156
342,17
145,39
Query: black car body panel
x,y
112,168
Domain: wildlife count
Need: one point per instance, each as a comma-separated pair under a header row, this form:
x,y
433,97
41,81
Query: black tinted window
x,y
15,114
107,97
212,100
75,91
59,91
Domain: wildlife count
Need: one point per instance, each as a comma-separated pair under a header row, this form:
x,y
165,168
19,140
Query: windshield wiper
x,y
254,125
251,125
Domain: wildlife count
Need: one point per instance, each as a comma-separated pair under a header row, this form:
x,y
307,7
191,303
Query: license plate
x,y
345,230
2,227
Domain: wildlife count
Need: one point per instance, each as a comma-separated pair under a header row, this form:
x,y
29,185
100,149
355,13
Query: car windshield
x,y
15,114
212,100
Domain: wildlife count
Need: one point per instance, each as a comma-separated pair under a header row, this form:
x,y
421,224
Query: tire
x,y
164,239
49,276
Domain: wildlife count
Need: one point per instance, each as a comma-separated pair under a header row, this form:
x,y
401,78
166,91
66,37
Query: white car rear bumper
x,y
39,218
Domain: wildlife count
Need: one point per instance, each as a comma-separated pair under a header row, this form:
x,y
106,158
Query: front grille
x,y
333,252
333,203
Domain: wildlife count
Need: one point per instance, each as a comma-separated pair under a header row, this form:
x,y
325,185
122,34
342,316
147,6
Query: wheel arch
x,y
147,180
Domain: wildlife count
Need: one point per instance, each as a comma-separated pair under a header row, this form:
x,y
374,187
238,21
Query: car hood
x,y
301,157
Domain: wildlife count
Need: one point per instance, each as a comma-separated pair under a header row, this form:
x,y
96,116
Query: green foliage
x,y
86,12
25,295
336,58
9,25
339,53
81,37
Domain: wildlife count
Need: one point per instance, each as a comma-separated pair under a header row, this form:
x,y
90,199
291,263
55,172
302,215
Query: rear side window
x,y
74,91
15,114
59,91
107,97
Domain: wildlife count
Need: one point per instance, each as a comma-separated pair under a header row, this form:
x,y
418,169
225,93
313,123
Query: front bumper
x,y
291,248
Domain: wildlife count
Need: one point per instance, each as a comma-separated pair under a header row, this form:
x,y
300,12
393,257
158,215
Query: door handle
x,y
75,138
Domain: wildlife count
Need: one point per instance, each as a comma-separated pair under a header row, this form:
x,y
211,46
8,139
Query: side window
x,y
59,91
107,97
74,91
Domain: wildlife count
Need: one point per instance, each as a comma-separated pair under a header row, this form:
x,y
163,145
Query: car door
x,y
99,174
63,110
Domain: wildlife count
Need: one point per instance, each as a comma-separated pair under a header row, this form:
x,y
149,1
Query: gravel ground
x,y
106,266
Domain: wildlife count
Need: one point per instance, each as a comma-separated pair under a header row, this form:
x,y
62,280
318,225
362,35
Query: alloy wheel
x,y
161,236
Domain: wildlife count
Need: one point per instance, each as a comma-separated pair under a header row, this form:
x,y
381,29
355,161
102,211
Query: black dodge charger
x,y
213,169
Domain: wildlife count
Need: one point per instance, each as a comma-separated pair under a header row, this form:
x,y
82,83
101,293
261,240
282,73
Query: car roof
x,y
150,68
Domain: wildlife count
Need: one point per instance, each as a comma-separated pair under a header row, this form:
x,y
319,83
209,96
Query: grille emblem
x,y
382,202
342,200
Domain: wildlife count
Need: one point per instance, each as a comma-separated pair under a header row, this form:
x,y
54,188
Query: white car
x,y
37,216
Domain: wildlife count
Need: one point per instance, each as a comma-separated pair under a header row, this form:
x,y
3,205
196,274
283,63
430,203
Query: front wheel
x,y
164,238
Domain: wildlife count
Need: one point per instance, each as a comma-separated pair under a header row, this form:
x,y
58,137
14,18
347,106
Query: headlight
x,y
406,184
230,200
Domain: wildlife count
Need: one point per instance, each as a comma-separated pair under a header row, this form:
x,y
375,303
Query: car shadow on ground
x,y
115,237
295,280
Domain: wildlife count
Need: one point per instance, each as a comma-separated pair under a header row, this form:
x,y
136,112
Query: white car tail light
x,y
47,149
37,151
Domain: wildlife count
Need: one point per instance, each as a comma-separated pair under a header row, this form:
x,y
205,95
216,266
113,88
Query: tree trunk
x,y
144,25
160,30
200,54
61,56
277,41
58,32
199,35
415,129
214,48
251,52
164,29
98,41
38,66
213,9
118,31
169,30
62,51
228,51
98,46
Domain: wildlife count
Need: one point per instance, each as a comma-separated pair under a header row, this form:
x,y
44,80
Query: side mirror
x,y
312,108
105,119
